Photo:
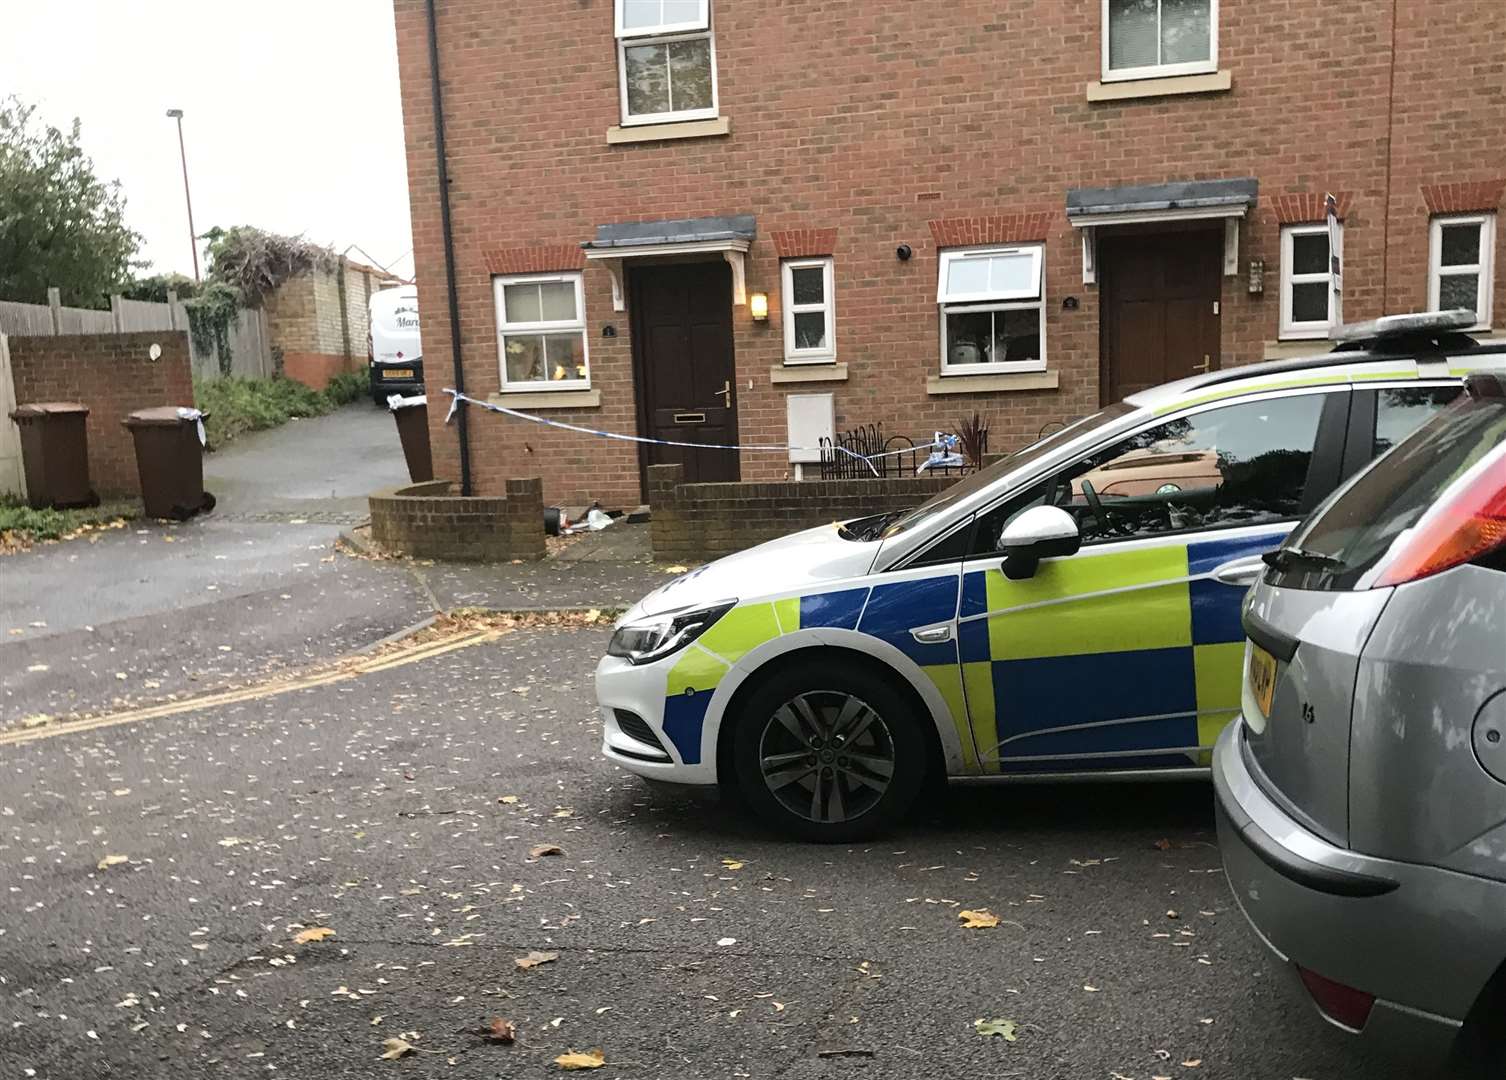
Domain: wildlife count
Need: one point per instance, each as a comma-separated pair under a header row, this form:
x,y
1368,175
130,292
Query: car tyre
x,y
830,754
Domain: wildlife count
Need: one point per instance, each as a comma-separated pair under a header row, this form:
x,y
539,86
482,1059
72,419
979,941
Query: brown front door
x,y
1160,308
682,350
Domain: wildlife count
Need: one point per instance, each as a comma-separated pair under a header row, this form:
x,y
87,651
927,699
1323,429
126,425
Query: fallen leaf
x,y
112,860
499,1031
1090,989
564,812
534,959
591,1059
733,864
996,1027
981,919
508,799
1163,844
396,1048
1192,1063
538,851
313,933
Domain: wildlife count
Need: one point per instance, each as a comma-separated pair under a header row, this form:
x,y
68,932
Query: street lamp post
x,y
193,239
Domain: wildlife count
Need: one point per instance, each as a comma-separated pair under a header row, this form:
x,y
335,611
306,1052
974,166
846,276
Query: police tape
x,y
943,448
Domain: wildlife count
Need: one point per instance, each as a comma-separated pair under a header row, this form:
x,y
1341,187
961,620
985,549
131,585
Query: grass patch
x,y
21,526
236,406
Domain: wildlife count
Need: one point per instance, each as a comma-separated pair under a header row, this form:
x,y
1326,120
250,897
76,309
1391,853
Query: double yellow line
x,y
339,672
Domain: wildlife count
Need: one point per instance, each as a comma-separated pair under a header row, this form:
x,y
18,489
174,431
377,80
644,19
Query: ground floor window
x,y
809,313
541,332
1308,297
1461,264
993,310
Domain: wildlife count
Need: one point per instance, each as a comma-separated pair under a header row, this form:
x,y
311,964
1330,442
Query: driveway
x,y
403,810
154,609
319,470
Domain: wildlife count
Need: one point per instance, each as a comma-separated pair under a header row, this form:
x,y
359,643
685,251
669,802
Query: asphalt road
x,y
372,807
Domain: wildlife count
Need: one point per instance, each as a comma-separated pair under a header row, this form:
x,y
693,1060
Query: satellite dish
x,y
155,352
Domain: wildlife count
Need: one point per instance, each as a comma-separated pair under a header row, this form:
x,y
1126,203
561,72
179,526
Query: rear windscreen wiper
x,y
1282,558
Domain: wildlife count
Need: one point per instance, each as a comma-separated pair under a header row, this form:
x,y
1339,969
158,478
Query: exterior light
x,y
758,306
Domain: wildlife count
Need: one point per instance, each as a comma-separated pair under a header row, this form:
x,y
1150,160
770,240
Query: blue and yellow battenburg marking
x,y
1094,658
1102,656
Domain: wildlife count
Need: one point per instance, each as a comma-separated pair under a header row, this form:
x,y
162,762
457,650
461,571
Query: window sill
x,y
802,373
546,399
1294,349
1165,86
997,383
683,129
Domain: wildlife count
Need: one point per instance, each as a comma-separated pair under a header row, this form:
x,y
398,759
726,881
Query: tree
x,y
59,223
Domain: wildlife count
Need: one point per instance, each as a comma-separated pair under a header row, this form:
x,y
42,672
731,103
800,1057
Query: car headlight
x,y
653,638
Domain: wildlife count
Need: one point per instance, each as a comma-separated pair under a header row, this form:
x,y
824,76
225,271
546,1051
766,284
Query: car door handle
x,y
1241,572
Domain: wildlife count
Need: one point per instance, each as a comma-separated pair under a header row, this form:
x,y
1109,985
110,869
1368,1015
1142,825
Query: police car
x,y
1070,612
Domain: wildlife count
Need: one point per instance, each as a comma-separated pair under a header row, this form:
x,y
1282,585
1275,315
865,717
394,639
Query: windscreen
x,y
981,479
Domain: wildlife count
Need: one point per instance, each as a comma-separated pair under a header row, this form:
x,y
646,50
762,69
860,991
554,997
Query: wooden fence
x,y
248,341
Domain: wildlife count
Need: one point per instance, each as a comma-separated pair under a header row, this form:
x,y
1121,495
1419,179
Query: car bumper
x,y
1382,927
632,702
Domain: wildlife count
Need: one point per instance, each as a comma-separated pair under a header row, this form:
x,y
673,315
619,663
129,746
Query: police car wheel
x,y
828,755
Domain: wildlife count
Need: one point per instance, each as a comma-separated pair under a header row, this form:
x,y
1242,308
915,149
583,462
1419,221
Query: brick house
x,y
319,320
1024,208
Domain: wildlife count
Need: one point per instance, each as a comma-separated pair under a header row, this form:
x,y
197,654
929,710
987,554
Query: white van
x,y
397,364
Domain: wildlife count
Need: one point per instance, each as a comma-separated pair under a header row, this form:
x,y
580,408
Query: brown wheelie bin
x,y
412,416
170,461
55,454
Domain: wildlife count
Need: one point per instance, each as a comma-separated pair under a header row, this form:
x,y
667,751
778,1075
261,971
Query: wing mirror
x,y
1042,532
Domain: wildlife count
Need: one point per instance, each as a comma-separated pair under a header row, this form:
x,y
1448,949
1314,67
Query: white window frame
x,y
1308,330
1162,71
827,354
506,329
1485,268
665,35
701,22
963,303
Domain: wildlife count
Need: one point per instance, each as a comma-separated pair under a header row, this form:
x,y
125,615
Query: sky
x,y
292,117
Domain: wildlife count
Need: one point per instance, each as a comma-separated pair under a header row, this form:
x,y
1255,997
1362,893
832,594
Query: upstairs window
x,y
809,314
993,316
1460,269
1309,298
1148,39
666,60
541,332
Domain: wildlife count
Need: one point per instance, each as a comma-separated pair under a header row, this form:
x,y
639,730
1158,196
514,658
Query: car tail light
x,y
1471,524
1340,1003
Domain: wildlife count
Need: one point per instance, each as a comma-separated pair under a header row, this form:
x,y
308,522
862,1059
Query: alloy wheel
x,y
827,756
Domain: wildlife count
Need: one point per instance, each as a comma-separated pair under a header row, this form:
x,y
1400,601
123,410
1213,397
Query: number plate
x,y
397,373
1262,678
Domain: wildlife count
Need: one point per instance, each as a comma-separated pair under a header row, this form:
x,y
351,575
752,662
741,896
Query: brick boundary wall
x,y
692,523
427,522
114,376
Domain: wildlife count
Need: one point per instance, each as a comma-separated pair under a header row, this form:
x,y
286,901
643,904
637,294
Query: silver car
x,y
1362,798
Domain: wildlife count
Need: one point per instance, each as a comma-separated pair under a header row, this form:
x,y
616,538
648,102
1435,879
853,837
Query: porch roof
x,y
706,230
1185,198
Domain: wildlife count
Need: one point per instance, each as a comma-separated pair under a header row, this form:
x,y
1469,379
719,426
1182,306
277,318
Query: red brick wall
x,y
875,120
113,375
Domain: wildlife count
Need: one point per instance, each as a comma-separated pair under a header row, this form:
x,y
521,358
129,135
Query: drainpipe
x,y
449,248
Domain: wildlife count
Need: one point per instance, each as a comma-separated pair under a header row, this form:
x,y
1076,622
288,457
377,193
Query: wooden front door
x,y
682,351
1160,308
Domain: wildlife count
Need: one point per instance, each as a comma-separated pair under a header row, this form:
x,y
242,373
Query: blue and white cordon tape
x,y
943,448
